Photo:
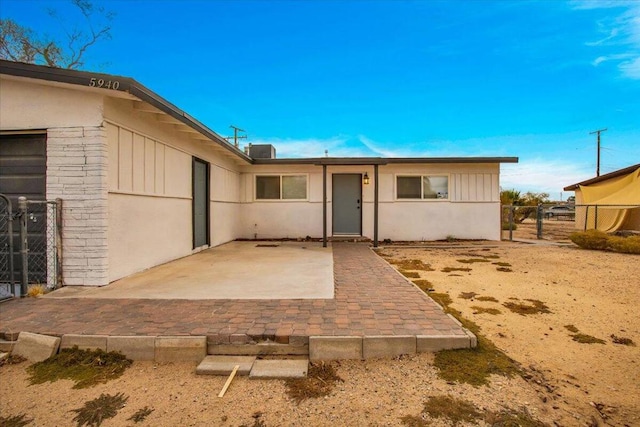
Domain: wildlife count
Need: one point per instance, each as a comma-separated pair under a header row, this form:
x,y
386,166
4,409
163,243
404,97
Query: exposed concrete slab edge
x,y
335,347
385,346
473,340
452,317
84,342
155,348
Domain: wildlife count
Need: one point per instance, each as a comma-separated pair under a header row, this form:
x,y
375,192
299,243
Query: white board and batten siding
x,y
150,200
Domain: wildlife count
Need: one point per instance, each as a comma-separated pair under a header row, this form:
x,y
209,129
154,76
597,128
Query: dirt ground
x,y
568,383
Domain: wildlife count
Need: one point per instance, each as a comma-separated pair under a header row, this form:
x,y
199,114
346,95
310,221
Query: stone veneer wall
x,y
77,174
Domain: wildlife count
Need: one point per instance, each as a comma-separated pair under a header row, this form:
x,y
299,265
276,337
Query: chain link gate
x,y
7,258
30,245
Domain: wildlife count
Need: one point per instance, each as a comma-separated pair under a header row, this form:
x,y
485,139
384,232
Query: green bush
x,y
598,240
505,226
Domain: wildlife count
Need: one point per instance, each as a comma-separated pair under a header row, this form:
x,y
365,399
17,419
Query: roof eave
x,y
125,84
597,179
370,161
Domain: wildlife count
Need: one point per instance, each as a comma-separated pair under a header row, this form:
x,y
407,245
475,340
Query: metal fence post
x,y
511,223
10,260
59,242
539,211
24,245
586,217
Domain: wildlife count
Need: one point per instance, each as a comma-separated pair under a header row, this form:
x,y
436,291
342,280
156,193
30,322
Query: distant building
x,y
609,202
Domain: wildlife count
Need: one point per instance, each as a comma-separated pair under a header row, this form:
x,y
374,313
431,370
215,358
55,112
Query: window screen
x,y
294,187
267,187
408,187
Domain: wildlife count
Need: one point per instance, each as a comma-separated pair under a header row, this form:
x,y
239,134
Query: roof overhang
x,y
597,179
126,85
370,161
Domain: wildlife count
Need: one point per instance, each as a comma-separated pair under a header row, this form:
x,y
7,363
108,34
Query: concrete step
x,y
223,365
267,348
279,369
6,346
255,368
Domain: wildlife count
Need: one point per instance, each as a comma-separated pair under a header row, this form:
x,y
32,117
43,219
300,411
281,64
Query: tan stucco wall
x,y
76,167
28,104
472,211
150,190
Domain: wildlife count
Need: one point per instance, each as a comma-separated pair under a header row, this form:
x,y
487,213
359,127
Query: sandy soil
x,y
596,292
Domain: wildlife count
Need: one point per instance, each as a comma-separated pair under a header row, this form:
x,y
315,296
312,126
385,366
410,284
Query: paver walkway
x,y
371,298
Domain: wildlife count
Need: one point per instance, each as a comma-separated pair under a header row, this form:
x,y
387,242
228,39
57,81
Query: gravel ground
x,y
567,383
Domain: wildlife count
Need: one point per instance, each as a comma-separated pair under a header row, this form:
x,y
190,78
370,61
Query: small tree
x,y
527,203
22,44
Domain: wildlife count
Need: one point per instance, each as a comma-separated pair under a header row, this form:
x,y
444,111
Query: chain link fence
x,y
556,222
30,245
7,258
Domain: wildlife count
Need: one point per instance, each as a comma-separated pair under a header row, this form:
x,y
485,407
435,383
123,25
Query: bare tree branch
x,y
18,43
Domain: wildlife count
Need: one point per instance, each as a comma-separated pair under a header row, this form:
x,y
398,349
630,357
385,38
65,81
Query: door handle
x,y
358,201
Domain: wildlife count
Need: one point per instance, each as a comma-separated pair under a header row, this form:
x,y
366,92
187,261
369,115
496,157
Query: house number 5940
x,y
102,83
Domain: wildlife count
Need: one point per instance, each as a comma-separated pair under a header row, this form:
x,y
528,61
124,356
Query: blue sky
x,y
390,78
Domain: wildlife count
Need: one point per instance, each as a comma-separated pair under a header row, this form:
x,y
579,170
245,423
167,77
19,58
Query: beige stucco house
x,y
142,182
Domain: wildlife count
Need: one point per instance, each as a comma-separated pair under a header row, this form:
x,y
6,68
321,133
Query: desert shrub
x,y
590,239
595,239
627,245
36,290
505,226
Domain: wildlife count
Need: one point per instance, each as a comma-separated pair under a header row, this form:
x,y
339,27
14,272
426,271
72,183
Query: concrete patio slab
x,y
279,369
236,270
223,365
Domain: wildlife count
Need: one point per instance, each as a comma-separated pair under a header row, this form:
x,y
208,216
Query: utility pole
x,y
598,162
235,136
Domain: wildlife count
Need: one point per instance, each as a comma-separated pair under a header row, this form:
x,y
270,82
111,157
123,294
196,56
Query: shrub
x,y
594,239
505,226
627,245
36,290
590,239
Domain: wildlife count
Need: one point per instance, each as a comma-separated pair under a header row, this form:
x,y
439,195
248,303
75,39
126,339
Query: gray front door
x,y
200,203
347,203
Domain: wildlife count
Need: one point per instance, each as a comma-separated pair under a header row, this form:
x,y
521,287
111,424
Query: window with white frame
x,y
422,187
281,187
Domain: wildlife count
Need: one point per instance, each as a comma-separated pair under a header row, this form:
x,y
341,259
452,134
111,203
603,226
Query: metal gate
x,y
7,270
30,245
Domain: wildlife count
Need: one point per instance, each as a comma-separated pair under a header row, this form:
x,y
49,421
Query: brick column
x,y
77,173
